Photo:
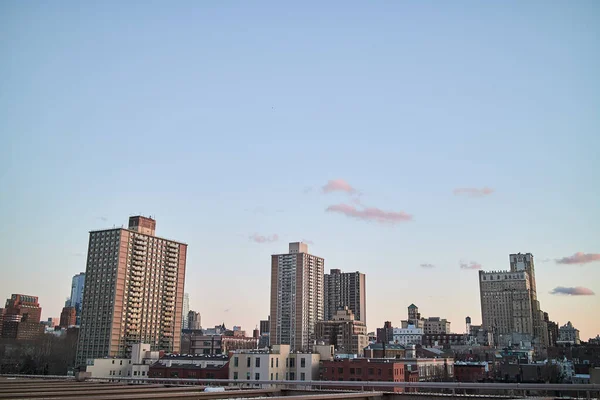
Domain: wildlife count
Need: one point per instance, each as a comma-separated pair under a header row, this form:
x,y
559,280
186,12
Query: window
x,y
292,376
271,365
257,376
276,376
143,373
235,375
121,362
113,361
379,371
248,362
236,361
247,376
371,372
302,376
303,362
135,373
340,370
257,362
292,362
352,371
271,376
277,362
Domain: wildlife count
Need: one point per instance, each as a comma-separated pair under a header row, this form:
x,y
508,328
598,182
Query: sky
x,y
415,142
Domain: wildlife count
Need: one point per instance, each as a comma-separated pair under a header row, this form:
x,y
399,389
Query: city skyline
x,y
415,144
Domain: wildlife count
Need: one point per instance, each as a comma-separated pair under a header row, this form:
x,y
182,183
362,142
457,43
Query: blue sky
x,y
226,119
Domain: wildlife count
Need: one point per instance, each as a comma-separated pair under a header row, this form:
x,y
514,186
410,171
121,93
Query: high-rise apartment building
x,y
524,262
186,310
21,320
133,291
345,289
77,287
509,302
296,297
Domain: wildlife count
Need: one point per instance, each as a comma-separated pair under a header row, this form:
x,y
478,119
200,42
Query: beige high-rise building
x,y
345,289
296,297
133,291
509,302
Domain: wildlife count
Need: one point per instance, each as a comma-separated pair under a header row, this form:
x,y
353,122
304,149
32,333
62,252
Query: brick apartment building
x,y
471,371
21,319
367,370
68,317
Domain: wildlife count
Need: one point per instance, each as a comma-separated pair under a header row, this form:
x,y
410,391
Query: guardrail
x,y
451,387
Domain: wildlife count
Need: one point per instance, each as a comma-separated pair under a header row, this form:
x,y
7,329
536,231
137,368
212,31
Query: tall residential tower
x,y
509,302
296,297
133,291
345,289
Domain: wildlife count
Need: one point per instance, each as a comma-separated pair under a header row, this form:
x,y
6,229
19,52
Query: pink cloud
x,y
470,265
579,258
263,239
572,291
338,185
473,192
370,214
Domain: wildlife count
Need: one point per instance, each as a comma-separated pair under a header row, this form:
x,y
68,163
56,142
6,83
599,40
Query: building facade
x,y
222,343
137,365
347,335
77,288
385,350
409,335
133,291
191,367
68,317
193,320
506,302
385,334
278,363
365,370
436,325
568,334
524,263
296,297
345,289
186,310
21,320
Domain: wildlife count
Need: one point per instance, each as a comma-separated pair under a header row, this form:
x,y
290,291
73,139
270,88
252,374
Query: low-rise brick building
x,y
471,371
365,370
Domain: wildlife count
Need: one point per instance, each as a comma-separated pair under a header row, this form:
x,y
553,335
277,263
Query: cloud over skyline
x,y
338,185
572,291
370,214
473,192
255,237
470,265
579,258
426,265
